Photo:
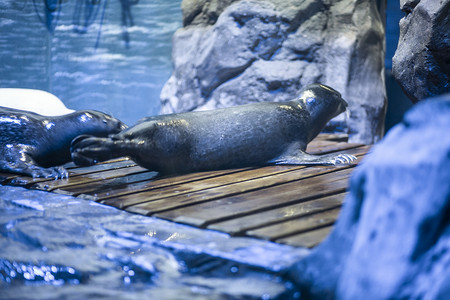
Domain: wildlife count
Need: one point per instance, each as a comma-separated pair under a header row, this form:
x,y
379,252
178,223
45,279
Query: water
x,y
89,59
59,247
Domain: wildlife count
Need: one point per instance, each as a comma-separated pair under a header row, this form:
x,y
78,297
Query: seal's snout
x,y
122,126
115,125
119,126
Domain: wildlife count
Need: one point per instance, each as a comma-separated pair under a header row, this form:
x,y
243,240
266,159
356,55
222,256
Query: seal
x,y
35,145
241,136
38,101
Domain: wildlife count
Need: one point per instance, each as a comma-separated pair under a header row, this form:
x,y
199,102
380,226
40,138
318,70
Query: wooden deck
x,y
295,205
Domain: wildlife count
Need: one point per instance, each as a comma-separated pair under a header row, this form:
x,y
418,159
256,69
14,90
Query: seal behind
x,y
33,144
247,135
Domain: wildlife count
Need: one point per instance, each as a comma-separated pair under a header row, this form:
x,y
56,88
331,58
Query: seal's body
x,y
33,144
240,136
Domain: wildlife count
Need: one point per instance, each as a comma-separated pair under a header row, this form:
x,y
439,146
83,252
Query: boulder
x,y
241,51
421,63
392,239
202,12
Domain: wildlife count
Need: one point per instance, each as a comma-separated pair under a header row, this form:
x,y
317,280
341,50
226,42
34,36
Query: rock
x,y
421,64
392,239
268,50
203,11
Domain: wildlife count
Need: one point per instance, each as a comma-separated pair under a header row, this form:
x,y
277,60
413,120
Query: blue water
x,y
89,59
59,247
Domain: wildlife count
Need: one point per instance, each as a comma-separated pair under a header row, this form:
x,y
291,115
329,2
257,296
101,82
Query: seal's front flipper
x,y
52,172
303,158
21,162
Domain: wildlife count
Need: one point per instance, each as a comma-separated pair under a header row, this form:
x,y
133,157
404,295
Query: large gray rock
x,y
421,64
266,50
392,239
202,12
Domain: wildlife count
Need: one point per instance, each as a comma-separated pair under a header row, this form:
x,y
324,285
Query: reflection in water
x,y
84,15
127,19
51,13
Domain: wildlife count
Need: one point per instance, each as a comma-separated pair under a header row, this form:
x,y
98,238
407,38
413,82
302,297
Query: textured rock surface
x,y
421,63
266,50
392,239
202,12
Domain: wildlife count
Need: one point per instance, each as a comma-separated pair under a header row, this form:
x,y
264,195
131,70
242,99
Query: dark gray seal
x,y
247,135
32,144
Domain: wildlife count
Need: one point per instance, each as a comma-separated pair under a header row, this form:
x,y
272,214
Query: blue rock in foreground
x,y
392,239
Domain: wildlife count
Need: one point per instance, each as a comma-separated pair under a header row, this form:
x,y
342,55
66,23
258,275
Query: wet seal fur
x,y
241,136
34,145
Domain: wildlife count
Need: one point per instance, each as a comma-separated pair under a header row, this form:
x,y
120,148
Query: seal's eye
x,y
310,100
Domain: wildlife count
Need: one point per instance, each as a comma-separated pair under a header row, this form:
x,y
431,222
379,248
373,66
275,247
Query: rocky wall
x,y
421,63
240,51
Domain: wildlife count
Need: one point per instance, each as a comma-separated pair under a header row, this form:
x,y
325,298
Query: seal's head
x,y
97,123
323,103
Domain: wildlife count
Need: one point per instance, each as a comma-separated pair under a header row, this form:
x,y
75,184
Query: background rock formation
x,y
266,50
392,239
421,63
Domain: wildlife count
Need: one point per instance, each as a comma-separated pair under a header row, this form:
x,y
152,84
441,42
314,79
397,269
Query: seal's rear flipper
x,y
303,158
87,150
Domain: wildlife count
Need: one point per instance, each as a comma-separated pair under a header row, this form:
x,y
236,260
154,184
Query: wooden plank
x,y
326,146
103,166
191,188
157,183
337,137
268,176
221,186
218,187
29,182
295,226
308,239
135,188
238,226
87,178
251,202
106,185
